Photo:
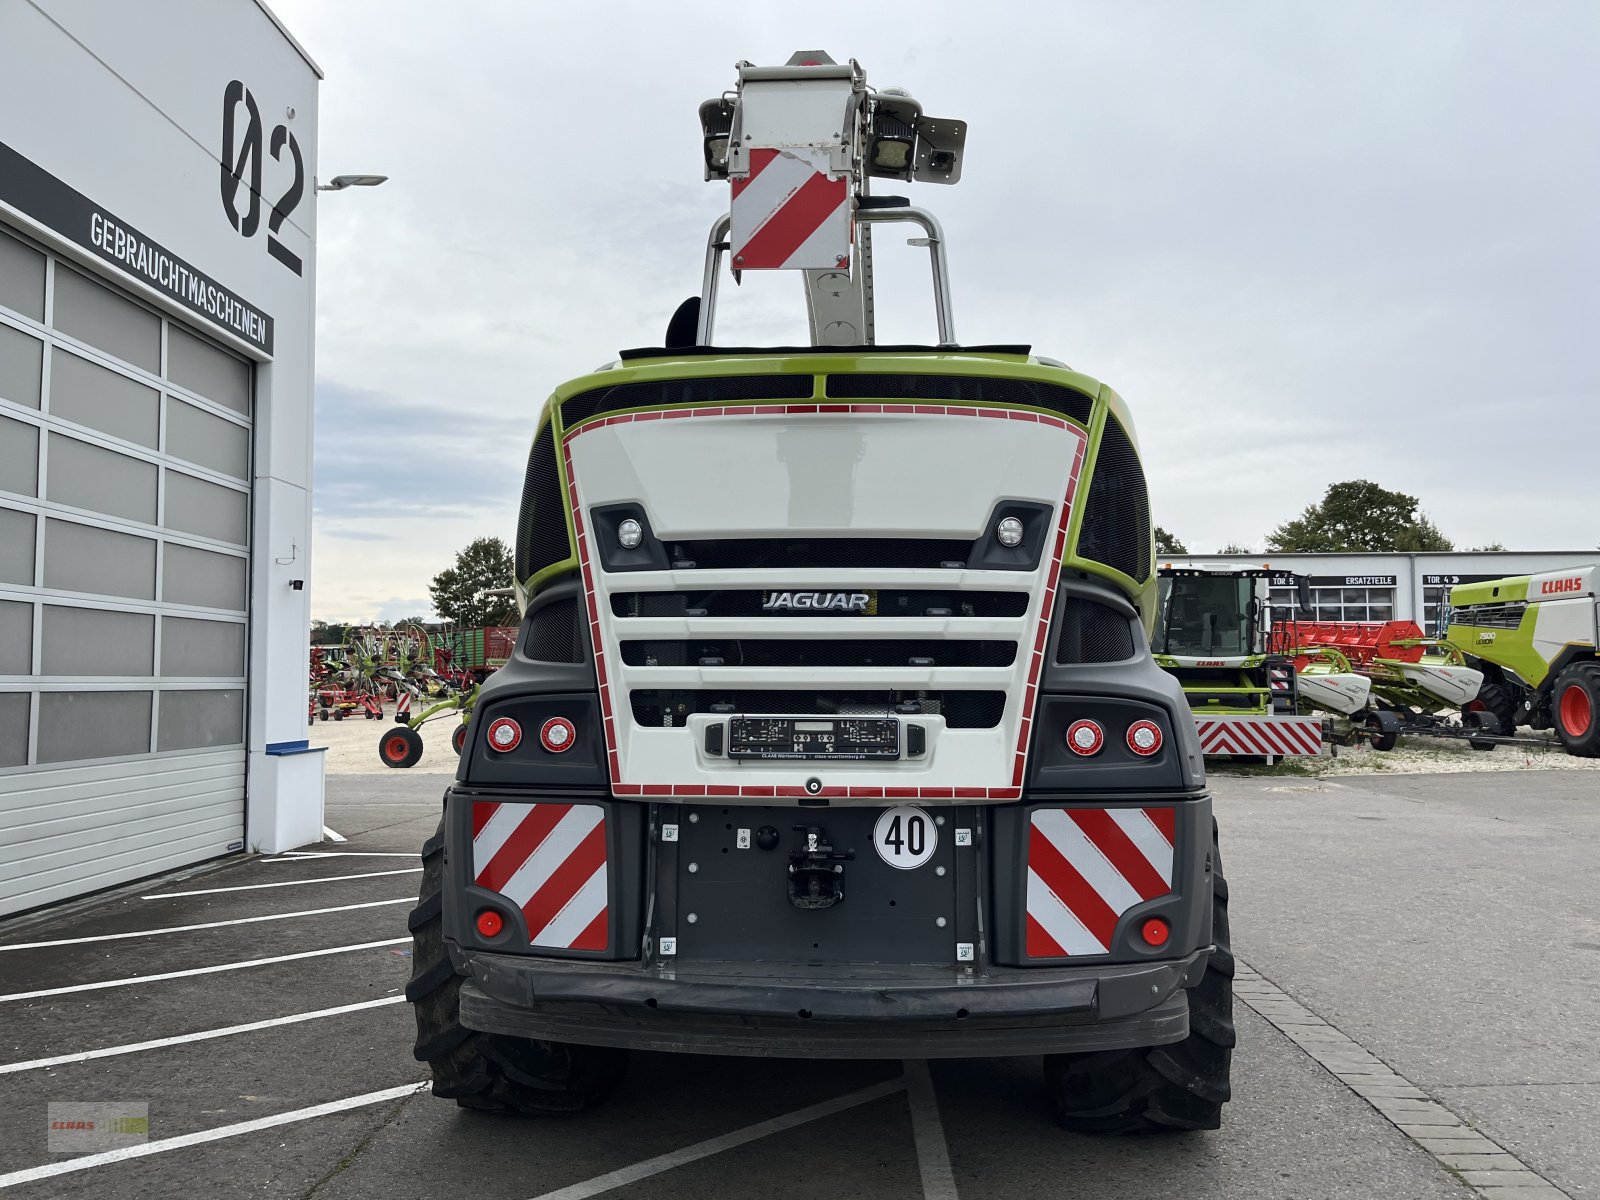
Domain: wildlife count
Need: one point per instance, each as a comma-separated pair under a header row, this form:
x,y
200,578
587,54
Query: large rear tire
x,y
1576,707
1161,1089
486,1071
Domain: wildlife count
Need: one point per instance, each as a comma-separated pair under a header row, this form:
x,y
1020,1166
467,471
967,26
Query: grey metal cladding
x,y
202,578
101,480
16,547
208,371
13,729
74,726
95,314
16,638
207,509
92,395
195,648
21,366
19,457
193,720
207,440
101,562
21,278
96,641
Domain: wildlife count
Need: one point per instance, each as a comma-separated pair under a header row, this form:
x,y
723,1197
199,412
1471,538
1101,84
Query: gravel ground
x,y
1420,756
353,750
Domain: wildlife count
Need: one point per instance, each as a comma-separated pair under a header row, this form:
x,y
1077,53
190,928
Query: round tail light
x,y
504,734
557,735
490,923
1144,738
1155,932
1085,737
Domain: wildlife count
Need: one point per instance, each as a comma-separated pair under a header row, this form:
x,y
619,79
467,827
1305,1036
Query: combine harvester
x,y
1213,633
1535,639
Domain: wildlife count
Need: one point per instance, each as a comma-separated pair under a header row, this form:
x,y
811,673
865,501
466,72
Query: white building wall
x,y
1414,575
126,104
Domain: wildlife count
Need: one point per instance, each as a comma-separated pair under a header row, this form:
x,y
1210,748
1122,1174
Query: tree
x,y
460,593
1167,544
1359,515
1234,548
325,634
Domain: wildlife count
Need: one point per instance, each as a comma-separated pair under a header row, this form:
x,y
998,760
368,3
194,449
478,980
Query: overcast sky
x,y
1308,242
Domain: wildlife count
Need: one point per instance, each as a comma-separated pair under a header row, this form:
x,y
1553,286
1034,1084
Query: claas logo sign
x,y
1556,587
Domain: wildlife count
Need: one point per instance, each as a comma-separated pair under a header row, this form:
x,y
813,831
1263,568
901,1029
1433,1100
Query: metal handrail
x,y
717,245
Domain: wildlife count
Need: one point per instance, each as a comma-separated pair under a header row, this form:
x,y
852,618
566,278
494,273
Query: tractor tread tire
x,y
1586,675
1160,1089
484,1071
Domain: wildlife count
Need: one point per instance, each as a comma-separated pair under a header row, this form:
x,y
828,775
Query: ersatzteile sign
x,y
31,189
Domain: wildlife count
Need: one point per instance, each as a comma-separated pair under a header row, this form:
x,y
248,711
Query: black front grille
x,y
885,602
553,633
715,389
962,389
542,522
961,710
798,652
1498,615
1091,632
820,554
1116,524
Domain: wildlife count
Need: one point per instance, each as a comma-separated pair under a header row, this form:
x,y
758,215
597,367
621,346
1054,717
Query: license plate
x,y
836,738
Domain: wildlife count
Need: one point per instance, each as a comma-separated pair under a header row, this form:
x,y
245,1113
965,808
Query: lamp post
x,y
339,182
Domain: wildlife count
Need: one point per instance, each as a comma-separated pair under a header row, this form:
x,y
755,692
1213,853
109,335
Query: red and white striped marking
x,y
403,705
1278,736
759,791
790,213
1088,866
549,860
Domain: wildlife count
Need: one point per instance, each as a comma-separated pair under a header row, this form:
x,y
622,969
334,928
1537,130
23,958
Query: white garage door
x,y
124,525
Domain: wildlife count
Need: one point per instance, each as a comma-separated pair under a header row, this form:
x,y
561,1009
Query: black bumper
x,y
749,1009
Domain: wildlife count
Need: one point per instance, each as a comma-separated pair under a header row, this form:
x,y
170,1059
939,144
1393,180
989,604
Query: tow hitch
x,y
816,871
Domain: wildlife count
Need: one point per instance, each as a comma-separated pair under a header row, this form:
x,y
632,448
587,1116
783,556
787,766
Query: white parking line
x,y
162,1145
113,937
933,1156
303,856
233,966
251,887
202,1036
716,1145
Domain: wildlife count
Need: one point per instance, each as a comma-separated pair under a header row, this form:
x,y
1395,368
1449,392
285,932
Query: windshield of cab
x,y
1205,616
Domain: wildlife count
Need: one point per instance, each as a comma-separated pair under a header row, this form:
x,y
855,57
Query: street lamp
x,y
339,182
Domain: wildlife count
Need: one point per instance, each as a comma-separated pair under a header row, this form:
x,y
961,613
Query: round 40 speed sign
x,y
905,837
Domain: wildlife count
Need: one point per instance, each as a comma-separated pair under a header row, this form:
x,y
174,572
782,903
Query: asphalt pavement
x,y
1446,924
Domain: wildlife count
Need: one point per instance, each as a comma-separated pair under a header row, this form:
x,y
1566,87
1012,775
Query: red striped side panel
x,y
548,861
1088,866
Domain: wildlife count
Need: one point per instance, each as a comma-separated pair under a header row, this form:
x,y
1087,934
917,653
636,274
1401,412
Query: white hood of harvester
x,y
822,470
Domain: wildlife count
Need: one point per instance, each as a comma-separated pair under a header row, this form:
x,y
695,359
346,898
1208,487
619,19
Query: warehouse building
x,y
1391,587
157,268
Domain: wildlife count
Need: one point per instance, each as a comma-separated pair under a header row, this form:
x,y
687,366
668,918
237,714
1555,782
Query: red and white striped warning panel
x,y
549,860
1088,866
789,212
1277,736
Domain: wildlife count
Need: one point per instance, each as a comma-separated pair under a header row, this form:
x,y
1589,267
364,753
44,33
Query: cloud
x,y
1307,242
